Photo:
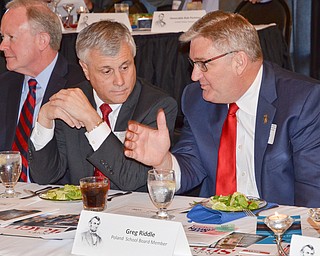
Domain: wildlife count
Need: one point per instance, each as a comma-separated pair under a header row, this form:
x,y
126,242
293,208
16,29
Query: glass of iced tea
x,y
94,192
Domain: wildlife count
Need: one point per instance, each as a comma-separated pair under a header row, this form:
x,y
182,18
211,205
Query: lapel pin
x,y
265,119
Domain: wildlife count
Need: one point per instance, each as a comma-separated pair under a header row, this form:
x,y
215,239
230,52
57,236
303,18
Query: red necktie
x,y
226,180
105,110
23,129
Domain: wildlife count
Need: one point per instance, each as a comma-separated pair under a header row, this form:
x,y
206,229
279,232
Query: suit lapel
x,y
129,108
265,116
57,80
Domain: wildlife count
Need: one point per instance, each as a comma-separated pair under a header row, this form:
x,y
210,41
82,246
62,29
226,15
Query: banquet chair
x,y
275,11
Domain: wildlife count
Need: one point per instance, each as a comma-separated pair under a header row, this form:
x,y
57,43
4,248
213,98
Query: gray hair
x,y
228,32
105,36
41,19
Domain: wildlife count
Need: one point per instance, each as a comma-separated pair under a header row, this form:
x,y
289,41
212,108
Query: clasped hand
x,y
71,106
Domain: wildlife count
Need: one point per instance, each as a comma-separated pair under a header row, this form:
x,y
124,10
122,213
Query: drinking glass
x,y
53,5
121,8
161,187
94,192
69,19
279,224
10,170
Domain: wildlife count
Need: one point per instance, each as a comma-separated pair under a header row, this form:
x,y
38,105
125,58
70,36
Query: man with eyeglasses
x,y
274,128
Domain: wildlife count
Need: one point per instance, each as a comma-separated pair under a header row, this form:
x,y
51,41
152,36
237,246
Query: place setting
x,y
222,209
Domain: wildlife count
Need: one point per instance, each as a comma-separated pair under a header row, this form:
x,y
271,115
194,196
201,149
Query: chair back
x,y
275,11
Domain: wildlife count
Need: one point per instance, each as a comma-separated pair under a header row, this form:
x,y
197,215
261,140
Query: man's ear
x,y
85,69
240,62
43,40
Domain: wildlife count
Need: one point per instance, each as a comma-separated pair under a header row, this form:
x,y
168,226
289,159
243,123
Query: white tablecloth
x,y
13,246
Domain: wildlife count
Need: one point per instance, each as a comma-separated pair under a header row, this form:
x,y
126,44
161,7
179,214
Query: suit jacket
x,y
69,157
11,83
287,171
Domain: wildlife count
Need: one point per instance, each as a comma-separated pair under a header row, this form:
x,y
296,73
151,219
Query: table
x,y
14,246
163,61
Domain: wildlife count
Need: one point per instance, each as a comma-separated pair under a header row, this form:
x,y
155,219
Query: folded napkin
x,y
202,214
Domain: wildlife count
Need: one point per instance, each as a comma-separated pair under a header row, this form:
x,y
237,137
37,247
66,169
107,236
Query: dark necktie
x,y
23,130
226,179
105,110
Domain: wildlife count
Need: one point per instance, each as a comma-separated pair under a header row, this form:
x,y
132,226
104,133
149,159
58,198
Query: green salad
x,y
235,202
65,193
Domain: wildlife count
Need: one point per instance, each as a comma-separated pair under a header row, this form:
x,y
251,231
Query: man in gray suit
x,y
79,141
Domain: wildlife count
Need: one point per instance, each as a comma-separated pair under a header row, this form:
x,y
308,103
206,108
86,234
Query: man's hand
x,y
49,112
72,106
147,145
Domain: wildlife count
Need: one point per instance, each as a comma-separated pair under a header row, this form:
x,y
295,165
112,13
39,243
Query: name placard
x,y
174,21
88,18
101,233
304,245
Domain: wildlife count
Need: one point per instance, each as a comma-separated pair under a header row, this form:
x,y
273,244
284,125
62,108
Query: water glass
x,y
161,187
10,170
121,8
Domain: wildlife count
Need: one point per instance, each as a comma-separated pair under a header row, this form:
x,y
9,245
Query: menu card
x,y
47,226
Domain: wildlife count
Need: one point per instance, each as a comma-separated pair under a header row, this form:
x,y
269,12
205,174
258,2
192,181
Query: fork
x,y
249,213
35,193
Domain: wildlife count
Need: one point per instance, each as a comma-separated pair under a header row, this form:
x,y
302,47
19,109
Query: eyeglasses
x,y
202,65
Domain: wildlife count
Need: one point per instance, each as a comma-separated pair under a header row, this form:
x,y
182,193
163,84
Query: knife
x,y
110,197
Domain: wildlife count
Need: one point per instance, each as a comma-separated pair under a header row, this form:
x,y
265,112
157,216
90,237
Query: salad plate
x,y
237,202
66,193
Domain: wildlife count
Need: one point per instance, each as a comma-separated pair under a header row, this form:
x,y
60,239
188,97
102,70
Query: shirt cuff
x,y
98,135
176,168
41,136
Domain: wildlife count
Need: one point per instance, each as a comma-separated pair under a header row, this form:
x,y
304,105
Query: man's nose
x,y
118,78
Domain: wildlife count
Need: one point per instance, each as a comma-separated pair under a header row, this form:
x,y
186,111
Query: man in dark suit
x,y
277,137
31,40
82,141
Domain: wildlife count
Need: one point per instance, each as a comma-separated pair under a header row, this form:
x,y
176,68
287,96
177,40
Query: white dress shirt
x,y
42,83
246,120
